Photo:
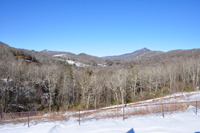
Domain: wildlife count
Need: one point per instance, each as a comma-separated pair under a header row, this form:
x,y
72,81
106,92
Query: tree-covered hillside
x,y
31,80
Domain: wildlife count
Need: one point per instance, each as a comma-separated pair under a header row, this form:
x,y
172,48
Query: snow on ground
x,y
177,97
102,65
177,122
59,55
78,64
71,62
180,122
151,106
6,80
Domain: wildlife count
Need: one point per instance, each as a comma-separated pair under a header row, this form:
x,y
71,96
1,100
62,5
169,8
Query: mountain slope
x,y
83,58
169,57
141,53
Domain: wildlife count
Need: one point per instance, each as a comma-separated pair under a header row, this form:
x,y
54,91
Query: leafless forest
x,y
33,80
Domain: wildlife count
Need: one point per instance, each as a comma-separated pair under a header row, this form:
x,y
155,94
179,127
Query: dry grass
x,y
15,118
139,108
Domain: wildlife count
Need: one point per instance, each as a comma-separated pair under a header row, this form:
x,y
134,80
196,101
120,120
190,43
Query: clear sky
x,y
100,27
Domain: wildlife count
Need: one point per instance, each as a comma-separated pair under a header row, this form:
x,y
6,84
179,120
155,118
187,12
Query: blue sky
x,y
100,27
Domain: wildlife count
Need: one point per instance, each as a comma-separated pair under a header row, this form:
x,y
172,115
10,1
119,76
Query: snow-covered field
x,y
182,122
185,121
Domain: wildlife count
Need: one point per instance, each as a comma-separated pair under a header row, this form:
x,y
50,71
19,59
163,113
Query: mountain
x,y
82,57
59,54
11,54
95,61
169,57
142,56
141,53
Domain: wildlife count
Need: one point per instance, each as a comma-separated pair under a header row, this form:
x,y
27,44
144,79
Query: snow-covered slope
x,y
182,122
161,106
185,120
177,97
78,64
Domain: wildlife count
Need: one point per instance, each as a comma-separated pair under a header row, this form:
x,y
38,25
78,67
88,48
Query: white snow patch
x,y
78,64
102,65
5,80
59,55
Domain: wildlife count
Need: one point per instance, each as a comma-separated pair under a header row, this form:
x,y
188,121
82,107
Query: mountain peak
x,y
138,53
143,50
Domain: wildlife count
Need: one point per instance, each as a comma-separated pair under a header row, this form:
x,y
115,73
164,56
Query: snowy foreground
x,y
177,122
180,122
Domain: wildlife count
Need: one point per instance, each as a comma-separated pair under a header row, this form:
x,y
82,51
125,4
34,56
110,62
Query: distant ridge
x,y
82,57
144,52
142,56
